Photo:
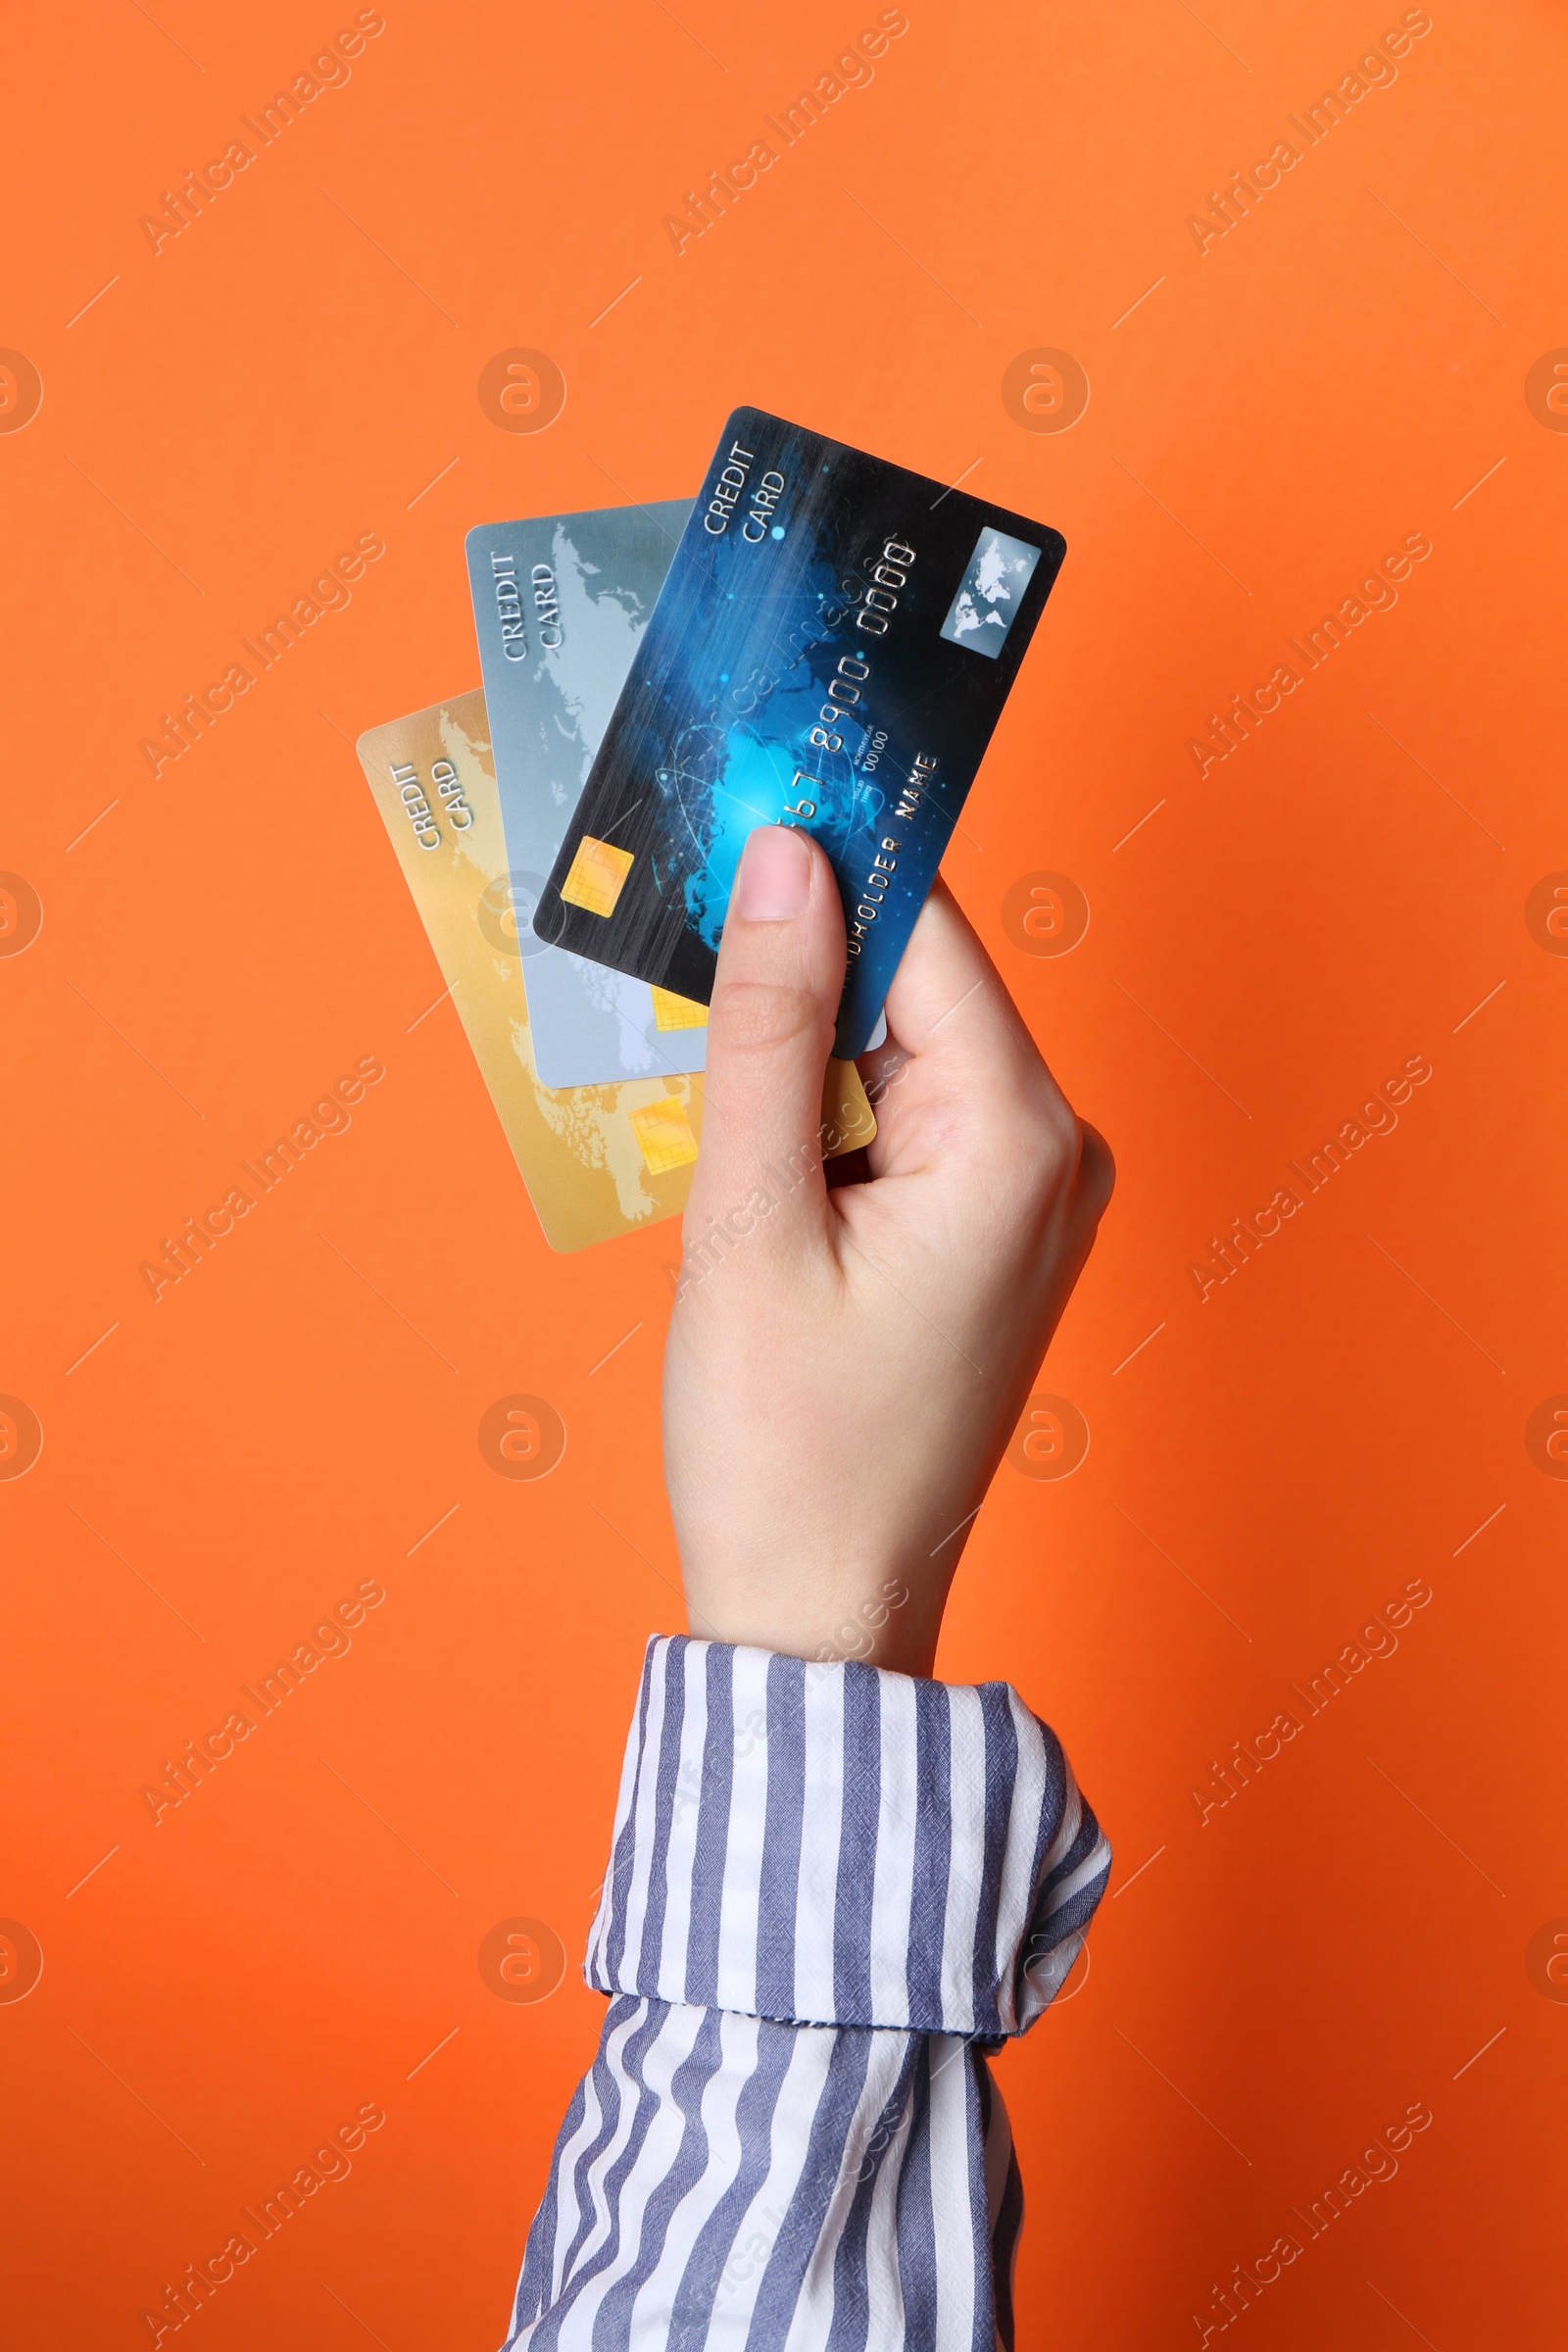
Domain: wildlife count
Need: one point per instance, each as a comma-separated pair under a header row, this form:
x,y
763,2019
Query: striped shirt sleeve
x,y
831,1890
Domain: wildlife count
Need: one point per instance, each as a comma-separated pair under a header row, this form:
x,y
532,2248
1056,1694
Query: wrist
x,y
885,1620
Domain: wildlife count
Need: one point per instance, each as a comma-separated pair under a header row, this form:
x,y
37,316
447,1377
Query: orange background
x,y
294,369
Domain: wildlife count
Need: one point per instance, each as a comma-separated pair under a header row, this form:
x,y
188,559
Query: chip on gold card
x,y
596,1161
664,1136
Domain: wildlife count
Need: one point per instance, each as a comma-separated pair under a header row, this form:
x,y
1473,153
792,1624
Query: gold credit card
x,y
596,1161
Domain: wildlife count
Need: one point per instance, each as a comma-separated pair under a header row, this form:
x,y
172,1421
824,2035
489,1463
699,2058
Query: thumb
x,y
770,1026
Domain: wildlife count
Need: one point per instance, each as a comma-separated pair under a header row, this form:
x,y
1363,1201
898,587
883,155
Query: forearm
x,y
720,2175
831,1889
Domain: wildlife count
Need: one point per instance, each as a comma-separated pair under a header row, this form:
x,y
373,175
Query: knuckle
x,y
1096,1171
1047,1141
761,1016
1053,1158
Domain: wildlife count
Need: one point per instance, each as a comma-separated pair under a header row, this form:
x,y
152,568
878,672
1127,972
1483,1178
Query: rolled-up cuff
x,y
840,1846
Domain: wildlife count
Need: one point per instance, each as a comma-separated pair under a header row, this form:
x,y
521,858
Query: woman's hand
x,y
845,1365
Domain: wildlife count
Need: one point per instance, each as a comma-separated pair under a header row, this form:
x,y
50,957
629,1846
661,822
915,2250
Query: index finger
x,y
948,1004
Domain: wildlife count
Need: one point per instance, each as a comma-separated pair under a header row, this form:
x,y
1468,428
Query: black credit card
x,y
831,648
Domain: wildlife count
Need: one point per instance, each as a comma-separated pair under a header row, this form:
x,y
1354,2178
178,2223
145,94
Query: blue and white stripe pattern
x,y
831,1889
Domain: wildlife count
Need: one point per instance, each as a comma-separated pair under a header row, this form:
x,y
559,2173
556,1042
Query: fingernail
x,y
775,875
